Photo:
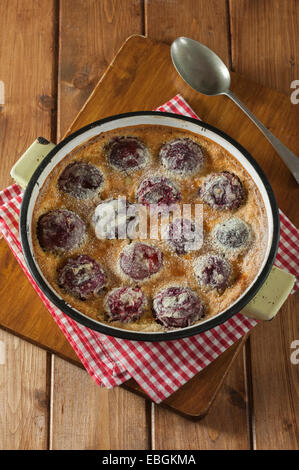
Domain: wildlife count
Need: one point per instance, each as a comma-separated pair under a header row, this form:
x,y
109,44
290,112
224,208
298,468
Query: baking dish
x,y
262,299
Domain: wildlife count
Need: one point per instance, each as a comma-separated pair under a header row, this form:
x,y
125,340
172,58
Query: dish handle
x,y
24,168
266,303
270,297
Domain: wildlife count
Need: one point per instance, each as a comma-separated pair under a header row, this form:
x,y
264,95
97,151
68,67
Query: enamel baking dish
x,y
263,297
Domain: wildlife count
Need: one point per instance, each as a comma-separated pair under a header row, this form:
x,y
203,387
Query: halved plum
x,y
213,272
222,190
60,230
125,304
177,307
182,156
112,217
140,261
184,236
127,153
82,277
233,234
81,180
158,190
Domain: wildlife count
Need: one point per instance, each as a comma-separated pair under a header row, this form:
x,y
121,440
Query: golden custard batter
x,y
214,275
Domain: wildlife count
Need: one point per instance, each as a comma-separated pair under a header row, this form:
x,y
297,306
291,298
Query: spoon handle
x,y
290,159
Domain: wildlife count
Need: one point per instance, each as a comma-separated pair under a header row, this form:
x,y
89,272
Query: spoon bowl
x,y
200,67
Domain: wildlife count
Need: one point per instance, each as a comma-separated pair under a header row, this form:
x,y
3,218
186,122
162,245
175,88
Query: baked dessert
x,y
87,239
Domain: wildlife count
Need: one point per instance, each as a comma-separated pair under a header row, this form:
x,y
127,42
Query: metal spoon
x,y
204,71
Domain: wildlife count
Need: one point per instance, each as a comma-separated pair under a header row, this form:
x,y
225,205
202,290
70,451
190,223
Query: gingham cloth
x,y
160,368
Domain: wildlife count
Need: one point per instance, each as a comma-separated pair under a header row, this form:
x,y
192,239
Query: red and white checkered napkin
x,y
163,367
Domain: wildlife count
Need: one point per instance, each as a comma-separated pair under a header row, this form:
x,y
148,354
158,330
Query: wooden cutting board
x,y
141,77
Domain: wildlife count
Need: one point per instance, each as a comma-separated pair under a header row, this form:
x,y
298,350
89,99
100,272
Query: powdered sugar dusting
x,y
127,153
177,307
212,271
182,157
233,236
158,190
125,304
140,260
222,191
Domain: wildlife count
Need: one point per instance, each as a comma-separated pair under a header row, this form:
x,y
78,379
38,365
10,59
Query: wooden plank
x,y
264,41
264,48
203,21
23,395
90,35
84,416
26,51
225,426
96,30
26,69
276,381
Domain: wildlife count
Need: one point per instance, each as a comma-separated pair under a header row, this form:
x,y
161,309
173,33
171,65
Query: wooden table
x,y
52,54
